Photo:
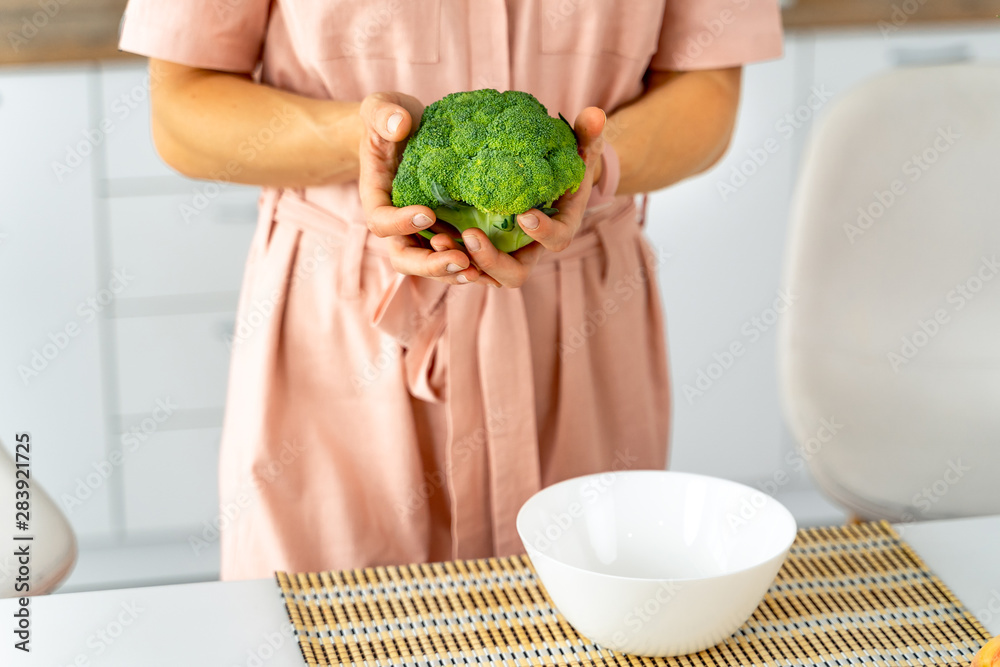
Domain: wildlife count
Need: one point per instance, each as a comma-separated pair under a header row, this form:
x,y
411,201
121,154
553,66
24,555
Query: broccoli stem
x,y
502,230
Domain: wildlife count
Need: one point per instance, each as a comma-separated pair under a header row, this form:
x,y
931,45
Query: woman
x,y
387,403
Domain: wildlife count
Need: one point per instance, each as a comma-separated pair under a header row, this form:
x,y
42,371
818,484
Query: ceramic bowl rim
x,y
780,553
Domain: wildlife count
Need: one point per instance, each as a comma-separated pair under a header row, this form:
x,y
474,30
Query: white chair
x,y
893,260
53,547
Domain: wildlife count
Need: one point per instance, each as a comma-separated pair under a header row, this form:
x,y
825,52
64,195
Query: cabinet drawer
x,y
181,357
151,240
170,479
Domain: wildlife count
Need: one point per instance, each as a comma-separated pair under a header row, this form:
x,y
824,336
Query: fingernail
x,y
453,268
421,221
393,123
528,221
462,279
472,243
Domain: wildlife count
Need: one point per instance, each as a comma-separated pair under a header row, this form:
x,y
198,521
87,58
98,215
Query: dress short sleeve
x,y
711,34
216,34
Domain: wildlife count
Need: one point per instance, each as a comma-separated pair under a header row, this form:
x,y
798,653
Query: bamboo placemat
x,y
852,595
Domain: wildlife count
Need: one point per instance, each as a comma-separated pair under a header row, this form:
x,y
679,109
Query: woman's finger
x,y
388,120
451,266
556,232
442,241
589,129
508,270
387,220
387,116
590,138
445,241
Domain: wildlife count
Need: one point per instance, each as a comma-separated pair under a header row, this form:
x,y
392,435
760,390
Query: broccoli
x,y
482,157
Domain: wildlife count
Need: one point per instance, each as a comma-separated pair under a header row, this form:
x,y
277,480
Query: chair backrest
x,y
52,547
893,262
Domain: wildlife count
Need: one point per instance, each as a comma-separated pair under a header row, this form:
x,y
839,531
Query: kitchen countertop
x,y
229,624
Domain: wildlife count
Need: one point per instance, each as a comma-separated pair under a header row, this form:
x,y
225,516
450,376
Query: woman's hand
x,y
389,119
551,233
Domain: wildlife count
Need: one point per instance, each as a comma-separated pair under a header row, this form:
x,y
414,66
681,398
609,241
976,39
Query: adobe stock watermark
x,y
623,290
56,342
591,492
785,127
377,18
121,108
913,169
804,452
992,608
923,501
900,16
927,329
231,510
713,28
931,494
105,636
391,349
134,438
751,331
269,645
247,151
556,15
263,308
749,507
463,449
226,9
640,615
35,23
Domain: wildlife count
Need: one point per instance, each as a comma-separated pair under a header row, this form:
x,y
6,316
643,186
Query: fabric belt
x,y
439,326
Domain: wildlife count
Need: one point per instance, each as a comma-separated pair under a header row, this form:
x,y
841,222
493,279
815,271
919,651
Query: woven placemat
x,y
846,595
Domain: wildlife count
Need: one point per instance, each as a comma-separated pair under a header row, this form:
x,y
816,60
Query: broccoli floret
x,y
482,157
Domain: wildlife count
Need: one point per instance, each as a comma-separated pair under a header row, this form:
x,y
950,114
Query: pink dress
x,y
374,418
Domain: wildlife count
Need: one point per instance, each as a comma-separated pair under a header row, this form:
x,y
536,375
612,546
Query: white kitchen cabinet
x,y
171,481
49,268
184,358
171,251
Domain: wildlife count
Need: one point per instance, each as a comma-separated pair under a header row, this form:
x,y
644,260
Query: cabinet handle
x,y
949,54
238,213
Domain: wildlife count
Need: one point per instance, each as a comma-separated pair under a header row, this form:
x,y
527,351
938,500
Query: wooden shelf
x,y
46,31
857,13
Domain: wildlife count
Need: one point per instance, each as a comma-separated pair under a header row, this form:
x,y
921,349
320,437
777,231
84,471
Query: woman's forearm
x,y
679,127
220,126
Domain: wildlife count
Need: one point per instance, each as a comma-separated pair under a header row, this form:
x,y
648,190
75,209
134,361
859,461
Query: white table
x,y
230,624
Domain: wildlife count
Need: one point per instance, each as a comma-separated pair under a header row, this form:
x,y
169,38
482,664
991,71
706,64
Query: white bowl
x,y
655,563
